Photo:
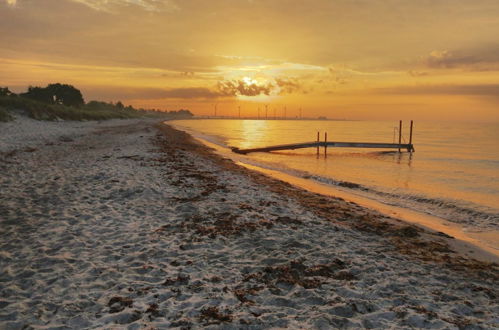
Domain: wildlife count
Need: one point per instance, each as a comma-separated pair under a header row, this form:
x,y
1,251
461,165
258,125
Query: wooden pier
x,y
317,144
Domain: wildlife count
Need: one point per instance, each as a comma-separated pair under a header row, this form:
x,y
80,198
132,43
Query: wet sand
x,y
132,224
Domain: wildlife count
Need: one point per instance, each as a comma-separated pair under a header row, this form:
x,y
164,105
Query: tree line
x,y
68,95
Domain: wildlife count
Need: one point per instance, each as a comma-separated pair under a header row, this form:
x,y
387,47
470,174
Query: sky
x,y
345,59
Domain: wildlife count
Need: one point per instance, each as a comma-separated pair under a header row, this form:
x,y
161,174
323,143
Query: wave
x,y
466,213
456,211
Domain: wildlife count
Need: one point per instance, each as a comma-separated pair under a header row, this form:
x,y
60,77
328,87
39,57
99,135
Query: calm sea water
x,y
454,173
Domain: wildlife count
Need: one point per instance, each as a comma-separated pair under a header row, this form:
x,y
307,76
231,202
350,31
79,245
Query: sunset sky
x,y
352,59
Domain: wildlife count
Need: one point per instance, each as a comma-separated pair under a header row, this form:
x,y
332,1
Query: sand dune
x,y
124,224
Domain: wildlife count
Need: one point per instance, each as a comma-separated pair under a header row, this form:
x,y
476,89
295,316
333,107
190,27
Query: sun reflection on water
x,y
253,131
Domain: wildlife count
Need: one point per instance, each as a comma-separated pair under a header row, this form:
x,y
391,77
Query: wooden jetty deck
x,y
408,147
317,144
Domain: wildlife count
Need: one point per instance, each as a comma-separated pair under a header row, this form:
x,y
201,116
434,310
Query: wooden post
x,y
410,133
400,133
411,148
325,144
318,144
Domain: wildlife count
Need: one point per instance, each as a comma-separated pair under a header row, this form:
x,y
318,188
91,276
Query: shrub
x,y
5,115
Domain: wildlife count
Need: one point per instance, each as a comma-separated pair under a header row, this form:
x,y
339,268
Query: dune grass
x,y
42,111
4,115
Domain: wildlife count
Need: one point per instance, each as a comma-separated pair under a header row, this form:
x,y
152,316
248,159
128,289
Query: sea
x,y
453,173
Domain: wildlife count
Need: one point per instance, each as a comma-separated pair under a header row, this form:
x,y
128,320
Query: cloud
x,y
447,59
190,93
487,90
241,87
107,5
476,60
345,71
288,85
149,5
250,87
415,73
133,93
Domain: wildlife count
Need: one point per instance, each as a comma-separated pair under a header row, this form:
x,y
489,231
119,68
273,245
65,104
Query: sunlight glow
x,y
249,81
195,53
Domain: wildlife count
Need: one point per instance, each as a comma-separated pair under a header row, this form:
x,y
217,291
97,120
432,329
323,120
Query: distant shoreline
x,y
270,118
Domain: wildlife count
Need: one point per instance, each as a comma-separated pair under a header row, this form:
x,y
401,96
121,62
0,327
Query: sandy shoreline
x,y
477,245
468,244
131,224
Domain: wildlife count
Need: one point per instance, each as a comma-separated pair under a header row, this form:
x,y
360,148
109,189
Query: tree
x,y
120,105
66,94
184,113
4,91
96,105
39,94
56,94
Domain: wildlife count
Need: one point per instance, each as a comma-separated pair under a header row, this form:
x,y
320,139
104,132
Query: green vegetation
x,y
4,91
4,115
56,94
59,101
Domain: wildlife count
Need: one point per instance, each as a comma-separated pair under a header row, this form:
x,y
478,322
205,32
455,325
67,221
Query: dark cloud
x,y
288,85
281,86
240,87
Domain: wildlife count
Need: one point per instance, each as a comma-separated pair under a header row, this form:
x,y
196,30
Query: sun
x,y
249,81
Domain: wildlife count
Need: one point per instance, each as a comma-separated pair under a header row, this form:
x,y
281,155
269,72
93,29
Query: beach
x,y
133,224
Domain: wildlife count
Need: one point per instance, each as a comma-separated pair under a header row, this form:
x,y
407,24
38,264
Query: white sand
x,y
101,225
